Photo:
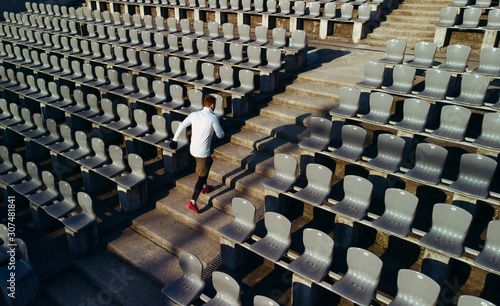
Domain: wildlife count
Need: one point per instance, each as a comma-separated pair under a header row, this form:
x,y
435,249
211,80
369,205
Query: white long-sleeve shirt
x,y
204,123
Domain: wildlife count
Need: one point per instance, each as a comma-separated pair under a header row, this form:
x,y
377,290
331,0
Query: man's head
x,y
209,101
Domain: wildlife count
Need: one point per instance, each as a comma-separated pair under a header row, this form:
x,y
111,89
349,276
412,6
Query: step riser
x,y
412,19
311,93
296,104
325,82
268,149
267,131
244,164
410,26
396,31
416,13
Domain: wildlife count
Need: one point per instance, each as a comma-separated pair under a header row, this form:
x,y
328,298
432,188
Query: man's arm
x,y
219,132
184,124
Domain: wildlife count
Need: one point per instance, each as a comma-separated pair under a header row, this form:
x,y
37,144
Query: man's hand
x,y
173,145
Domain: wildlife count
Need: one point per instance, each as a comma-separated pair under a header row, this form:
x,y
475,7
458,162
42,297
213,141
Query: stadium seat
x,y
319,134
243,225
228,290
489,256
348,102
318,185
389,153
353,143
415,113
286,173
453,122
436,84
429,163
374,75
415,288
394,51
456,58
473,89
357,198
278,238
475,175
400,209
380,108
402,79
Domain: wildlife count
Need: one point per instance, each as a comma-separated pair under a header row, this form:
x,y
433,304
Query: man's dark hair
x,y
209,100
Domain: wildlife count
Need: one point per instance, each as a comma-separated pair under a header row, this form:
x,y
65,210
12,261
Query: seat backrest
x,y
374,73
4,234
183,138
32,169
492,238
457,56
136,164
358,189
191,266
66,191
123,112
318,244
414,287
395,50
318,176
82,141
17,160
469,300
471,17
400,202
227,288
228,30
437,81
116,155
363,266
286,165
346,11
159,125
261,34
452,220
98,147
477,167
364,12
260,300
448,16
493,18
243,210
425,52
455,118
85,203
473,89
390,146
490,130
67,134
380,105
278,226
279,37
49,181
489,60
415,113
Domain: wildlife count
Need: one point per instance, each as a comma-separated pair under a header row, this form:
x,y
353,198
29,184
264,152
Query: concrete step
x,y
246,158
289,115
119,280
408,25
410,12
385,37
311,89
422,6
276,128
62,292
174,236
332,78
303,101
145,255
420,33
265,143
237,178
208,222
444,3
220,199
412,19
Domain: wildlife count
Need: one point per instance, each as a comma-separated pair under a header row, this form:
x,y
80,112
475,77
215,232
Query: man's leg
x,y
202,169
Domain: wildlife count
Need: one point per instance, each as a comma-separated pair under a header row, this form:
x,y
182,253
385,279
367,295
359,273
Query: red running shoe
x,y
193,207
207,189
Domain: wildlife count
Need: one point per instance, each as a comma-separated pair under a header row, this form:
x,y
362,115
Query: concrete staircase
x,y
412,21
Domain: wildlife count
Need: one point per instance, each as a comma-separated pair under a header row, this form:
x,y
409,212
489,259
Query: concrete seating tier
x,y
277,16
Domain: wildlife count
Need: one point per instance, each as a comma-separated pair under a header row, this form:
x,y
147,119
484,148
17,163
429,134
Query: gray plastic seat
x,y
189,286
319,134
228,290
402,79
278,238
66,100
415,288
25,272
137,175
177,98
100,157
243,225
27,122
287,169
415,113
482,3
159,42
159,93
489,62
67,142
31,185
345,12
489,257
450,225
243,33
159,22
199,28
318,185
315,262
380,108
160,130
471,18
400,209
429,163
273,57
359,284
16,117
114,81
141,124
279,38
389,153
61,209
124,120
489,136
187,46
219,51
15,176
143,89
475,175
424,55
52,137
473,89
453,122
260,300
353,140
394,51
374,75
469,300
202,49
40,127
117,165
84,219
83,149
436,84
236,54
456,58
93,107
80,103
128,84
357,198
493,20
195,102
191,67
253,57
174,67
260,36
5,114
246,78
172,24
48,195
448,17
